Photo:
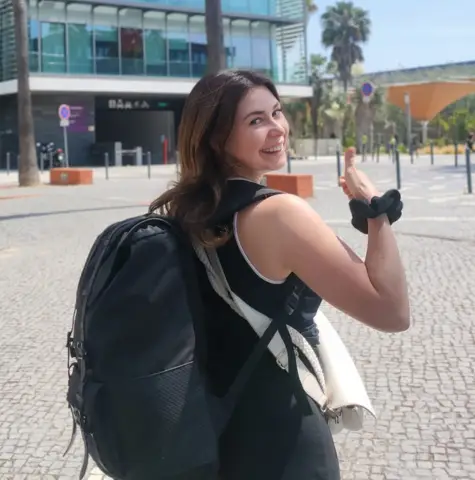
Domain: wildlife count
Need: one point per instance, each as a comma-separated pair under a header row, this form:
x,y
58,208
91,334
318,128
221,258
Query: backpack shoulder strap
x,y
238,195
217,278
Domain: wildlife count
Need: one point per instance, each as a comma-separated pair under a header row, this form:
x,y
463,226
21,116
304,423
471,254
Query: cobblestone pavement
x,y
421,382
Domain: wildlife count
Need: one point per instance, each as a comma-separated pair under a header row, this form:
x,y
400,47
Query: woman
x,y
233,130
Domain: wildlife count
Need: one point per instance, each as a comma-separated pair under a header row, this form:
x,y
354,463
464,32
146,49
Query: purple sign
x,y
64,112
78,121
367,89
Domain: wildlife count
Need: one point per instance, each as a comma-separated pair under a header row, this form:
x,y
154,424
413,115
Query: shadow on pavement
x,y
20,216
452,168
429,236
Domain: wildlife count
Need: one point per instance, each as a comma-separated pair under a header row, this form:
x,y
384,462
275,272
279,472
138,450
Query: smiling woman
x,y
280,259
229,123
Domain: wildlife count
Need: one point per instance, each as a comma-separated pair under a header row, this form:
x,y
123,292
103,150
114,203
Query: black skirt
x,y
268,437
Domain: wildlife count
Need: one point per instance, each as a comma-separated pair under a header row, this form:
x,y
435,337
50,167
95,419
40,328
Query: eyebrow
x,y
261,112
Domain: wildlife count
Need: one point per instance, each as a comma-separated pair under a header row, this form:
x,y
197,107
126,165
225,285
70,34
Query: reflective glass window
x,y
291,49
237,6
80,48
261,48
53,42
272,7
276,56
53,51
131,42
241,41
293,9
33,36
106,41
259,8
195,4
155,44
228,43
198,46
34,44
178,45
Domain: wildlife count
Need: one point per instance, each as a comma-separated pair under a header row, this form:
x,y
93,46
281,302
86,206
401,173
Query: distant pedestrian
x,y
470,139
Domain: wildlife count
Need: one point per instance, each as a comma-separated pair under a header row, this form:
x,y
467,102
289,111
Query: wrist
x,y
382,209
368,196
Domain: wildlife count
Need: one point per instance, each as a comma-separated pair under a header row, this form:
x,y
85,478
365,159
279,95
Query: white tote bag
x,y
336,385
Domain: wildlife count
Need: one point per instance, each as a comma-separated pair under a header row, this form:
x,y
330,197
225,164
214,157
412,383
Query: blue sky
x,y
410,33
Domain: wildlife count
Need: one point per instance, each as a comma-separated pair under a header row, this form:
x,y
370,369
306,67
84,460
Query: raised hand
x,y
355,183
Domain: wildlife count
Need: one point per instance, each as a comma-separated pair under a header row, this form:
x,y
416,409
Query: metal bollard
x,y
338,165
398,169
469,170
456,155
8,163
432,153
42,162
377,152
411,153
50,155
289,166
106,164
149,165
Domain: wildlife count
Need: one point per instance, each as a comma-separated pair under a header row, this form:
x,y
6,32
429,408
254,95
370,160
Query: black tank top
x,y
267,435
265,295
229,338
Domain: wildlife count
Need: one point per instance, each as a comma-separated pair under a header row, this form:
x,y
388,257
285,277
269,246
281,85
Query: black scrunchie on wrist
x,y
390,204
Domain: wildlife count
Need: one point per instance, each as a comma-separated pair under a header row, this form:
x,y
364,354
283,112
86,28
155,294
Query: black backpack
x,y
137,390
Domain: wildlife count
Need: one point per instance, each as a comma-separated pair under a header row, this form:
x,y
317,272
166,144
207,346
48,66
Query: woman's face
x,y
259,138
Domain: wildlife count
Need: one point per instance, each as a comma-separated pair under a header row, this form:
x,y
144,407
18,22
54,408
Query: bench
x,y
297,184
70,176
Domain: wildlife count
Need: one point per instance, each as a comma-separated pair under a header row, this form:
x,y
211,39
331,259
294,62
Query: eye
x,y
277,113
256,121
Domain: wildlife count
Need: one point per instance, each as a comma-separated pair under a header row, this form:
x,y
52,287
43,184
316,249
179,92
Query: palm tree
x,y
28,173
311,7
214,36
345,28
367,114
321,71
297,115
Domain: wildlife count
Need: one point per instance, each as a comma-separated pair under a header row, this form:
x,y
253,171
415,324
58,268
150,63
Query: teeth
x,y
278,148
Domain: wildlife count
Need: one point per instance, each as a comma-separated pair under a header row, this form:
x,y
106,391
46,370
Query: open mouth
x,y
276,149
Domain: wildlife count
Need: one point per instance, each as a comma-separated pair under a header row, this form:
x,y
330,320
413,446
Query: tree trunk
x,y
214,36
28,173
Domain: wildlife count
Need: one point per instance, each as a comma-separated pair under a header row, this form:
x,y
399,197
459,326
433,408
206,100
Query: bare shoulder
x,y
267,231
281,217
278,207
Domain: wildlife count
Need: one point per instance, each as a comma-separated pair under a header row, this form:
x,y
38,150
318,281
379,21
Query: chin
x,y
276,163
280,162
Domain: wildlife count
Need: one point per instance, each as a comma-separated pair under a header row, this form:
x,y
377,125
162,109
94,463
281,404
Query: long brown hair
x,y
207,121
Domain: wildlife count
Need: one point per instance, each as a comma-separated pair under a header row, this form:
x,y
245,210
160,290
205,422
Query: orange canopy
x,y
429,98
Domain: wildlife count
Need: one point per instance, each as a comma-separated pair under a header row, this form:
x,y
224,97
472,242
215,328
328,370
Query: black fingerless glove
x,y
390,204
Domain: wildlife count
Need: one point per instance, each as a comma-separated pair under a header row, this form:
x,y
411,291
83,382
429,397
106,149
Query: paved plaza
x,y
421,382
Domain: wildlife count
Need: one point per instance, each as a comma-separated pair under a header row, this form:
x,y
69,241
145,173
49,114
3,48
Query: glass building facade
x,y
158,38
7,41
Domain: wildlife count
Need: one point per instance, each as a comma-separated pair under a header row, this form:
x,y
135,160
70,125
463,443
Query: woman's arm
x,y
284,234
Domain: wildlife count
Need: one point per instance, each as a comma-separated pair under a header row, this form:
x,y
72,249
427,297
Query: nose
x,y
277,128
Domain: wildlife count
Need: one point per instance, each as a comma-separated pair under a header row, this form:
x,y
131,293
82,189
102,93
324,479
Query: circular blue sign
x,y
367,89
64,112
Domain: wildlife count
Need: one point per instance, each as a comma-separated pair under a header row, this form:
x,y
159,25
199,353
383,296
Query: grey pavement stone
x,y
421,382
